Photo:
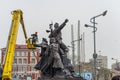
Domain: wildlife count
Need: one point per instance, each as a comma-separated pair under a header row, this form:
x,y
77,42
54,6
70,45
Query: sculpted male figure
x,y
54,47
56,33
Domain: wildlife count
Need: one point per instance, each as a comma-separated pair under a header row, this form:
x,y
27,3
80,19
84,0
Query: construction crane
x,y
17,17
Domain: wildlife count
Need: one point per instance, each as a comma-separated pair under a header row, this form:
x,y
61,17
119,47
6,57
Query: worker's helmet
x,y
36,32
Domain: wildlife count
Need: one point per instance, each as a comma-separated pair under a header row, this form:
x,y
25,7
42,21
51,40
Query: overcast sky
x,y
38,14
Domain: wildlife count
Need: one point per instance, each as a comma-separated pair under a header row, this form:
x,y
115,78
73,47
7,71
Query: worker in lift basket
x,y
34,38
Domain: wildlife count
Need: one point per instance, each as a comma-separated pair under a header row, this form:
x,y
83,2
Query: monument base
x,y
75,78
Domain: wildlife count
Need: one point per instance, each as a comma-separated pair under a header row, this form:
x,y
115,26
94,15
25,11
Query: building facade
x,y
102,61
101,67
24,61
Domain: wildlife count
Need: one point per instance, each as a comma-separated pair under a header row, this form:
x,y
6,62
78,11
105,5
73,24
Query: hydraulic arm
x,y
17,17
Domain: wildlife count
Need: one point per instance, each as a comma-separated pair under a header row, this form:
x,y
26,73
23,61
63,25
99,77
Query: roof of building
x,y
18,46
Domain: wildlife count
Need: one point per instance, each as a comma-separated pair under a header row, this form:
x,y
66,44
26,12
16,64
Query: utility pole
x,y
83,47
78,42
83,50
72,43
78,50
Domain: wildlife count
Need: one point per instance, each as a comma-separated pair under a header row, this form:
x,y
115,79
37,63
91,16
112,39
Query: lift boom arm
x,y
17,17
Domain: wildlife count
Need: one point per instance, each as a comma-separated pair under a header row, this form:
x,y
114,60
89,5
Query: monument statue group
x,y
54,64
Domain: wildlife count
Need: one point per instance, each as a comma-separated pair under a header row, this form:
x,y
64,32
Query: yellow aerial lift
x,y
17,17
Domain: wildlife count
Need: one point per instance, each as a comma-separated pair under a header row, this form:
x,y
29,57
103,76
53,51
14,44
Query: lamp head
x,y
112,58
86,25
104,13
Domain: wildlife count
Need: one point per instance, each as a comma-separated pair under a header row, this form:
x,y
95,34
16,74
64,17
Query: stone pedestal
x,y
75,78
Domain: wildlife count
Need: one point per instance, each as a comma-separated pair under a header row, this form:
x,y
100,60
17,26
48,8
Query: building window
x,y
33,54
33,69
19,68
20,53
15,61
24,61
33,61
15,68
20,61
24,53
25,68
15,54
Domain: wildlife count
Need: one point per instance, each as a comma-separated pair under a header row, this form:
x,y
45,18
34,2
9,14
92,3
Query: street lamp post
x,y
92,20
